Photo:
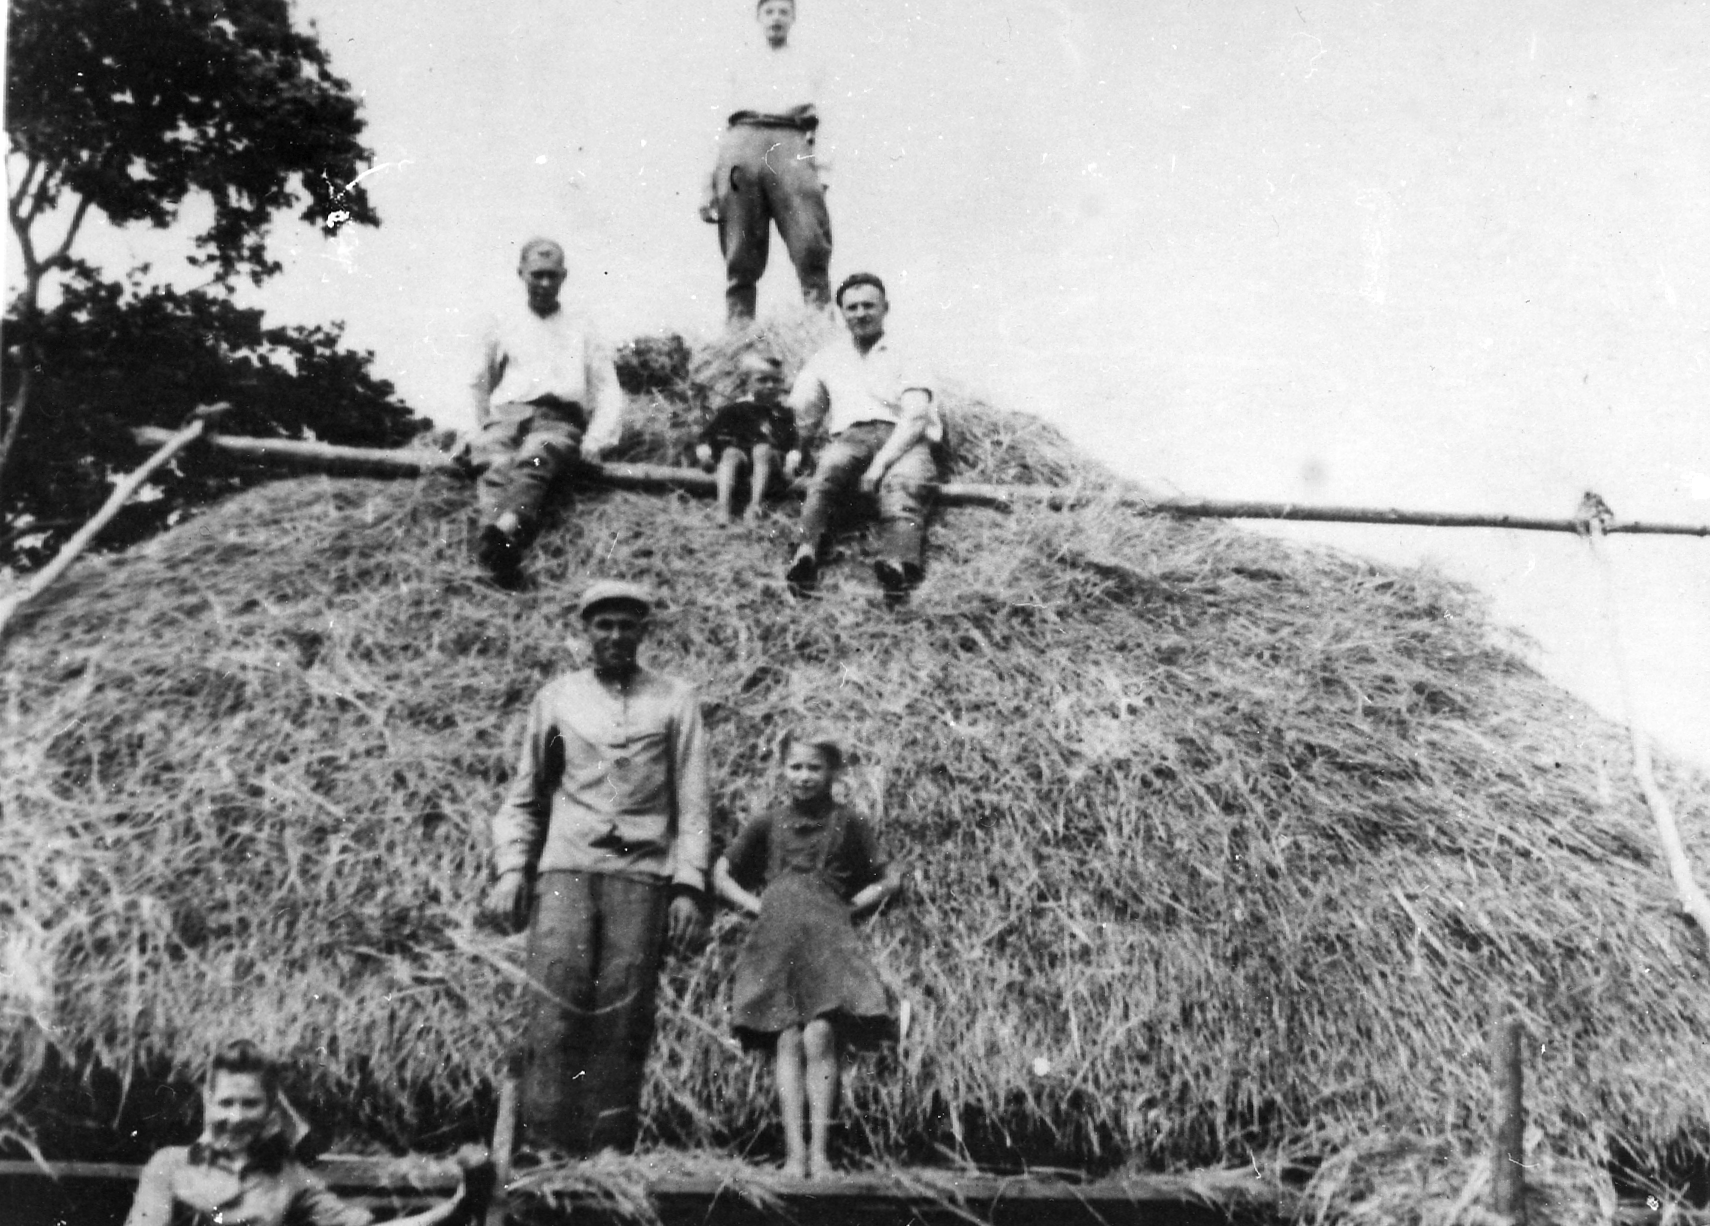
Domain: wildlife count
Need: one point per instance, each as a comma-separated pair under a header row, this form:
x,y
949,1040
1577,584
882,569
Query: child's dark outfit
x,y
802,960
747,422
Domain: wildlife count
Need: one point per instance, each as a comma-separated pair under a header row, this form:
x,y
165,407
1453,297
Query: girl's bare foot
x,y
795,1168
819,1167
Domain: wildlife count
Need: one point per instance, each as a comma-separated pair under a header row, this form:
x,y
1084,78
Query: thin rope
x,y
1692,898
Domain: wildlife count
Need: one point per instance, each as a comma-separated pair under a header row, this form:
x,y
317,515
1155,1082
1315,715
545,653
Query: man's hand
x,y
684,923
709,210
507,901
704,456
871,478
792,465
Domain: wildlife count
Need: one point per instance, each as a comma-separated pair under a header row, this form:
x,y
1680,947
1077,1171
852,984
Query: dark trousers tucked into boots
x,y
594,953
905,494
766,174
524,448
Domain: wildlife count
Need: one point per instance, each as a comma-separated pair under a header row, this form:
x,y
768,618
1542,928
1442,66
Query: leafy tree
x,y
128,107
136,354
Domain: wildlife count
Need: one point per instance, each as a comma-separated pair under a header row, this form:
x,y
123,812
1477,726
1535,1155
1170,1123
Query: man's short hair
x,y
540,244
861,278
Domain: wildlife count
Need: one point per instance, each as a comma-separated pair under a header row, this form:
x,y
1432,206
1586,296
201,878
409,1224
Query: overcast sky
x,y
1434,254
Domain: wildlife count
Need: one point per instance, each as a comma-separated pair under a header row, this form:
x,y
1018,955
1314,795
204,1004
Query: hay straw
x,y
1238,841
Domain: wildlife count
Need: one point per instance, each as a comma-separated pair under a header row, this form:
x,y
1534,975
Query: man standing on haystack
x,y
879,409
544,393
606,826
771,168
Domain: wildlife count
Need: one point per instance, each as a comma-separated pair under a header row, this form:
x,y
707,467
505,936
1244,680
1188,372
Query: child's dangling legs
x,y
759,479
791,1103
730,466
820,1045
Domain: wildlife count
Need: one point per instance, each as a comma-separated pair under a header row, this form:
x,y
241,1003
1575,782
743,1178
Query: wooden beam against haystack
x,y
168,444
417,462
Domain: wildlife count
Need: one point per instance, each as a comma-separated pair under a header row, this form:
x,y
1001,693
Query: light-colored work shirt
x,y
525,357
844,387
610,780
786,82
218,1188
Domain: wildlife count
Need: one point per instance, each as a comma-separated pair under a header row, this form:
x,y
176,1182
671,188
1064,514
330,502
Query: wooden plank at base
x,y
100,1193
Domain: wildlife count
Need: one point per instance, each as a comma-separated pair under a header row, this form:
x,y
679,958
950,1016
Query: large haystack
x,y
1218,847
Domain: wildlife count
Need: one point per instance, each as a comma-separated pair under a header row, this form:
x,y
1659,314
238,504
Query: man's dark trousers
x,y
594,952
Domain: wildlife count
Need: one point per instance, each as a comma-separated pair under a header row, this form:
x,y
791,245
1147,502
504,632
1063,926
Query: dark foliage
x,y
652,363
122,357
129,106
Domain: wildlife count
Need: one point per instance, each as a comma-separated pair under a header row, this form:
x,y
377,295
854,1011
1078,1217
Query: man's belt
x,y
571,409
758,119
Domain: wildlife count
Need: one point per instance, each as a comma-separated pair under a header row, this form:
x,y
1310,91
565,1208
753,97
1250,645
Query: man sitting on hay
x,y
544,393
878,407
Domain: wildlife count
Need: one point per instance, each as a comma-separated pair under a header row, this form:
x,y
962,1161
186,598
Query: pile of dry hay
x,y
1218,848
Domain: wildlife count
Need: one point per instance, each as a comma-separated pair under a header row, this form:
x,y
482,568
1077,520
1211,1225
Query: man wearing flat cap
x,y
604,830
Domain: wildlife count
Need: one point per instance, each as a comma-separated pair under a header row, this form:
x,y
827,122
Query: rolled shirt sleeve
x,y
486,369
153,1203
606,402
317,1205
809,401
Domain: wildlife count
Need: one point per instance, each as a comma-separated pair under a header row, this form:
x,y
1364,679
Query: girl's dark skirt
x,y
803,962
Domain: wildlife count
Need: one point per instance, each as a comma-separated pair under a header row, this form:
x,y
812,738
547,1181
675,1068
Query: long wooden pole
x,y
416,462
169,445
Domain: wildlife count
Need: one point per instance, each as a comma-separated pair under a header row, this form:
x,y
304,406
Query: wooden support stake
x,y
1507,1159
504,1149
169,445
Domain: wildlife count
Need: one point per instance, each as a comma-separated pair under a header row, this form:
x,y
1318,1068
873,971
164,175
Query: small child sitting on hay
x,y
753,434
805,988
243,1172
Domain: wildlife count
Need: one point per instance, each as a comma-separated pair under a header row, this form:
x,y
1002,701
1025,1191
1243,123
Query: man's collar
x,y
882,343
207,1152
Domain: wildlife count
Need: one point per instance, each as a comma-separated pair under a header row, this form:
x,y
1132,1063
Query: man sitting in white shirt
x,y
544,393
882,417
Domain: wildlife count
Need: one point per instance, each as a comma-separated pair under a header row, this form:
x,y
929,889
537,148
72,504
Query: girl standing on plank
x,y
804,986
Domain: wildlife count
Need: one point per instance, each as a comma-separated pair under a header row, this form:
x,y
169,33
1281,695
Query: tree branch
x,y
39,198
32,268
15,421
115,502
62,254
33,163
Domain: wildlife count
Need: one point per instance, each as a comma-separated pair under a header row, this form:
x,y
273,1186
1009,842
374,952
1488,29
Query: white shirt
x,y
779,81
525,356
848,387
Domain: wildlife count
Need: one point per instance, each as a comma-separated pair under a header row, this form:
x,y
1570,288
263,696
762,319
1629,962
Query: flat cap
x,y
615,591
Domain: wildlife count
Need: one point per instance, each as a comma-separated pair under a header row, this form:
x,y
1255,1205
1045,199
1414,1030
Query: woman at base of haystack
x,y
242,1172
805,989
